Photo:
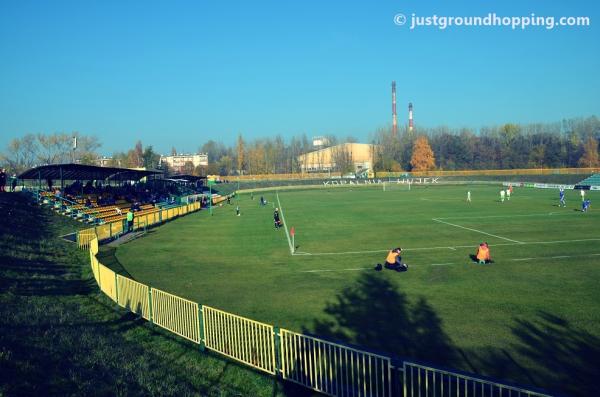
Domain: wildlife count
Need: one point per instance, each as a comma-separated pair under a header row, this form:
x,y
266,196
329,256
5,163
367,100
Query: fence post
x,y
98,272
201,326
277,347
404,378
150,314
116,288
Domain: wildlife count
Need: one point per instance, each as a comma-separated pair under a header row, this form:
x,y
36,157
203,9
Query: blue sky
x,y
180,73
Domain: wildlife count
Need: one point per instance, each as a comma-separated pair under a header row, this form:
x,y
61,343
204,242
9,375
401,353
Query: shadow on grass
x,y
549,353
107,256
60,336
374,314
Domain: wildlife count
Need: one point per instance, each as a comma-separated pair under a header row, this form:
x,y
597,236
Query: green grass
x,y
60,336
532,317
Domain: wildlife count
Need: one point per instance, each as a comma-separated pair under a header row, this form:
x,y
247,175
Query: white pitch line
x,y
554,257
285,226
447,247
476,231
507,216
335,270
451,263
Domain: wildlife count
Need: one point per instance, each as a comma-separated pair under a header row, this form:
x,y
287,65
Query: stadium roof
x,y
84,172
187,177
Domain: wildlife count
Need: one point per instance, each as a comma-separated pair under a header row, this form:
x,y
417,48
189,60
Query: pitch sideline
x,y
285,225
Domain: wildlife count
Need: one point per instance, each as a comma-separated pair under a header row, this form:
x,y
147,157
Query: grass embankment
x,y
532,317
60,336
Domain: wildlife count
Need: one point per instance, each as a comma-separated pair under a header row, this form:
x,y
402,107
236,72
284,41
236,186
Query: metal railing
x,y
333,368
425,381
242,339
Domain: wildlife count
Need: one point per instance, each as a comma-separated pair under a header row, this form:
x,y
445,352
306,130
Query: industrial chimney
x,y
394,118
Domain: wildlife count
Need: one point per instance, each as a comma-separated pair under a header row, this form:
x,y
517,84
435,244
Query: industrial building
x,y
360,155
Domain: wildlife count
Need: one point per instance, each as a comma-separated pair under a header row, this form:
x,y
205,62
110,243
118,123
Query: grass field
x,y
532,317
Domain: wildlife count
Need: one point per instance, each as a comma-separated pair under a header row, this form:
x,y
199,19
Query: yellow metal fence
x,y
133,296
84,237
332,368
424,381
107,281
242,339
381,174
176,314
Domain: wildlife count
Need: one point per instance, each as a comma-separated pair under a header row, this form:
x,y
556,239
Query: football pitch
x,y
532,316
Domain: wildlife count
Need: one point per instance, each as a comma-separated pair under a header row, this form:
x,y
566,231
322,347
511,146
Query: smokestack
x,y
394,118
410,117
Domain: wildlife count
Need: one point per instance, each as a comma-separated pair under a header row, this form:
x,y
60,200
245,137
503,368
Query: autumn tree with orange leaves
x,y
422,157
590,154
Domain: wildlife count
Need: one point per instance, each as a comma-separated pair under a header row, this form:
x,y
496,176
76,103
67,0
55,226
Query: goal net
x,y
391,186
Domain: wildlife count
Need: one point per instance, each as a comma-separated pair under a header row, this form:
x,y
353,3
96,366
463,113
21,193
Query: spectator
x,y
13,183
2,180
130,220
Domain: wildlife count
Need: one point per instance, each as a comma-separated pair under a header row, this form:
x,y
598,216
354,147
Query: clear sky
x,y
176,73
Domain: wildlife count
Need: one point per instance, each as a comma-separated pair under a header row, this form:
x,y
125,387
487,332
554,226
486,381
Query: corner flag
x,y
293,233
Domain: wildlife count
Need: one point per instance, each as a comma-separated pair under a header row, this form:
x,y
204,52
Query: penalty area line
x,y
506,216
454,263
453,248
476,231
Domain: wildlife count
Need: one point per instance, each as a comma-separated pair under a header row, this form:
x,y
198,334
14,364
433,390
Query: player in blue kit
x,y
561,193
585,205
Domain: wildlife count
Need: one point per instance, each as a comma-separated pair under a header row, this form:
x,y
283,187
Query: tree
x,y
225,165
422,157
139,154
342,159
20,154
119,159
590,154
150,158
87,146
188,168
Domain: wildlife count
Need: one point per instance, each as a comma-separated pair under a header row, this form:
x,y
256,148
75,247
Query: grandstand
x,y
100,195
593,180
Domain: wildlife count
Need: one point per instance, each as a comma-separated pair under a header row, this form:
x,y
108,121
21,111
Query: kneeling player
x,y
393,261
483,254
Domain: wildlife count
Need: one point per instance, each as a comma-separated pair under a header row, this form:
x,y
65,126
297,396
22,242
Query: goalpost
x,y
390,186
